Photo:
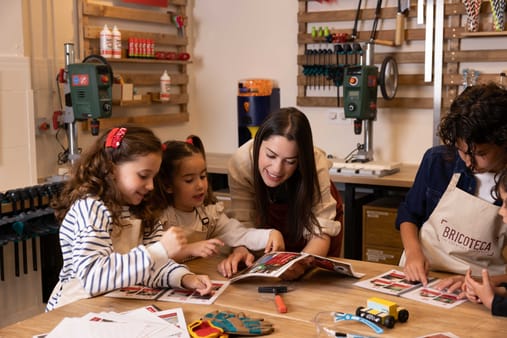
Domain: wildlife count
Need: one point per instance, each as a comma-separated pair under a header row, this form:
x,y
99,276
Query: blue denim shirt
x,y
432,178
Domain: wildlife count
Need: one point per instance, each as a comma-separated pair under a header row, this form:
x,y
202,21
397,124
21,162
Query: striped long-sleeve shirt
x,y
99,257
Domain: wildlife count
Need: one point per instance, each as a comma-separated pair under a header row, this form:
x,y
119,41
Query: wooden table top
x,y
319,291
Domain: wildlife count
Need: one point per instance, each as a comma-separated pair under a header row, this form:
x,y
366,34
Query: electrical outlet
x,y
337,117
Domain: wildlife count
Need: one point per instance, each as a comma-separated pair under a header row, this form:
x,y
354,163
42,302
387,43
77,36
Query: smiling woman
x,y
281,180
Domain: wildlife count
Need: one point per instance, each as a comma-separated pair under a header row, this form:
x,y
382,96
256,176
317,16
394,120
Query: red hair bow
x,y
115,137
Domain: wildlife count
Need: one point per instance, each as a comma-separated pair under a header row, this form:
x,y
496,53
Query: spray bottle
x,y
106,43
116,34
165,87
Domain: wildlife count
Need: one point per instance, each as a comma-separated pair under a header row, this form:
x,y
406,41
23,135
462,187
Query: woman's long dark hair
x,y
303,186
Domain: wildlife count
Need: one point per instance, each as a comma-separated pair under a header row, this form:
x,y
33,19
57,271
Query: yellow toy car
x,y
383,312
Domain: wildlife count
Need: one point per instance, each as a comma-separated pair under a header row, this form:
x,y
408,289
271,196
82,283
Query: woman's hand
x,y
200,283
416,266
229,266
275,242
173,240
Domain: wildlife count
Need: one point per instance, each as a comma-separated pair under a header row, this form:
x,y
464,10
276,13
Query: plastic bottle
x,y
116,35
106,44
165,87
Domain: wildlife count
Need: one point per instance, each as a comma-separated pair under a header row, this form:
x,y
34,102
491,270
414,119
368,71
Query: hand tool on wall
x,y
179,21
373,33
401,16
353,36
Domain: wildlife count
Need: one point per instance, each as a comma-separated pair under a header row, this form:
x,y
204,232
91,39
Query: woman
x,y
279,180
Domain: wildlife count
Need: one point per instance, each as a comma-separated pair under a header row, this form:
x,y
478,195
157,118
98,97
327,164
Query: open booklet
x,y
170,295
394,282
276,263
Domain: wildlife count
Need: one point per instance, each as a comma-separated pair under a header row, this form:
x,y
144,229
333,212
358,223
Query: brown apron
x,y
278,220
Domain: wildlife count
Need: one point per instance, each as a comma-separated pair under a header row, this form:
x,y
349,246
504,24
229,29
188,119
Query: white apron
x,y
463,232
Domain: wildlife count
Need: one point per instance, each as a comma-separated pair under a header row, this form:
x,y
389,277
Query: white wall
x,y
17,139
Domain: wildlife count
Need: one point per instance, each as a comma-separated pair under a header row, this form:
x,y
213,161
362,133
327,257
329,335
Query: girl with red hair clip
x,y
110,235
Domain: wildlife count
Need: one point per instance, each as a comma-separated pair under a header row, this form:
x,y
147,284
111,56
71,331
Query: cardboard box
x,y
381,240
122,92
127,92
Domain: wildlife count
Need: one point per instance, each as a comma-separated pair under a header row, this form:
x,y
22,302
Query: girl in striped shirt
x,y
109,234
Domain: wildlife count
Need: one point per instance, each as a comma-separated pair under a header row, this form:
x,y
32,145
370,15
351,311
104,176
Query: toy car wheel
x,y
359,311
403,316
389,322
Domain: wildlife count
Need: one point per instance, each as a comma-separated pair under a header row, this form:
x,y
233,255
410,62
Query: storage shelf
x,y
483,34
148,61
144,73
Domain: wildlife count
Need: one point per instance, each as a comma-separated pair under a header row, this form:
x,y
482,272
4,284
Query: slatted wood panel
x,y
454,54
143,73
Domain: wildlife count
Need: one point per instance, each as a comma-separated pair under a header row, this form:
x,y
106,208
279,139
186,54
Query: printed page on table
x,y
193,297
435,297
171,317
136,292
392,282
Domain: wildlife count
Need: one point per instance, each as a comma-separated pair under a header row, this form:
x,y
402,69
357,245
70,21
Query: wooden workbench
x,y
319,291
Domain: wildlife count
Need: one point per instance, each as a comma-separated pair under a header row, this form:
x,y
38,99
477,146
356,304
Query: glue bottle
x,y
106,44
165,87
116,34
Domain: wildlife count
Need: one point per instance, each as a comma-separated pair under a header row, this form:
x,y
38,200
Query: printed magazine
x,y
276,263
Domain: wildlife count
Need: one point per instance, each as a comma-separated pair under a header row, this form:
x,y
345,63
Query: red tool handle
x,y
280,305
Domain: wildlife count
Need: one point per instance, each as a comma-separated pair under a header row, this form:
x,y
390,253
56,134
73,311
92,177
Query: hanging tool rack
x,y
316,90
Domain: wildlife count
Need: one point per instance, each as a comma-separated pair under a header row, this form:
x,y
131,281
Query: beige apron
x,y
123,238
463,232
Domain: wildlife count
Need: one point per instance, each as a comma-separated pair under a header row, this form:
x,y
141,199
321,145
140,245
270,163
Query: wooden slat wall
x,y
143,73
454,33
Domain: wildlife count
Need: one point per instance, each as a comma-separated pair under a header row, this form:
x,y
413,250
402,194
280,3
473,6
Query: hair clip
x,y
190,141
164,147
115,137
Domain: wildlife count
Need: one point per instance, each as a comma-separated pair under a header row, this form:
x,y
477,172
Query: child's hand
x,y
275,242
205,248
451,284
416,266
478,292
200,283
173,240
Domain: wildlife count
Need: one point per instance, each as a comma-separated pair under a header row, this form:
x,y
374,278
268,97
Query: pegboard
x,y
414,92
